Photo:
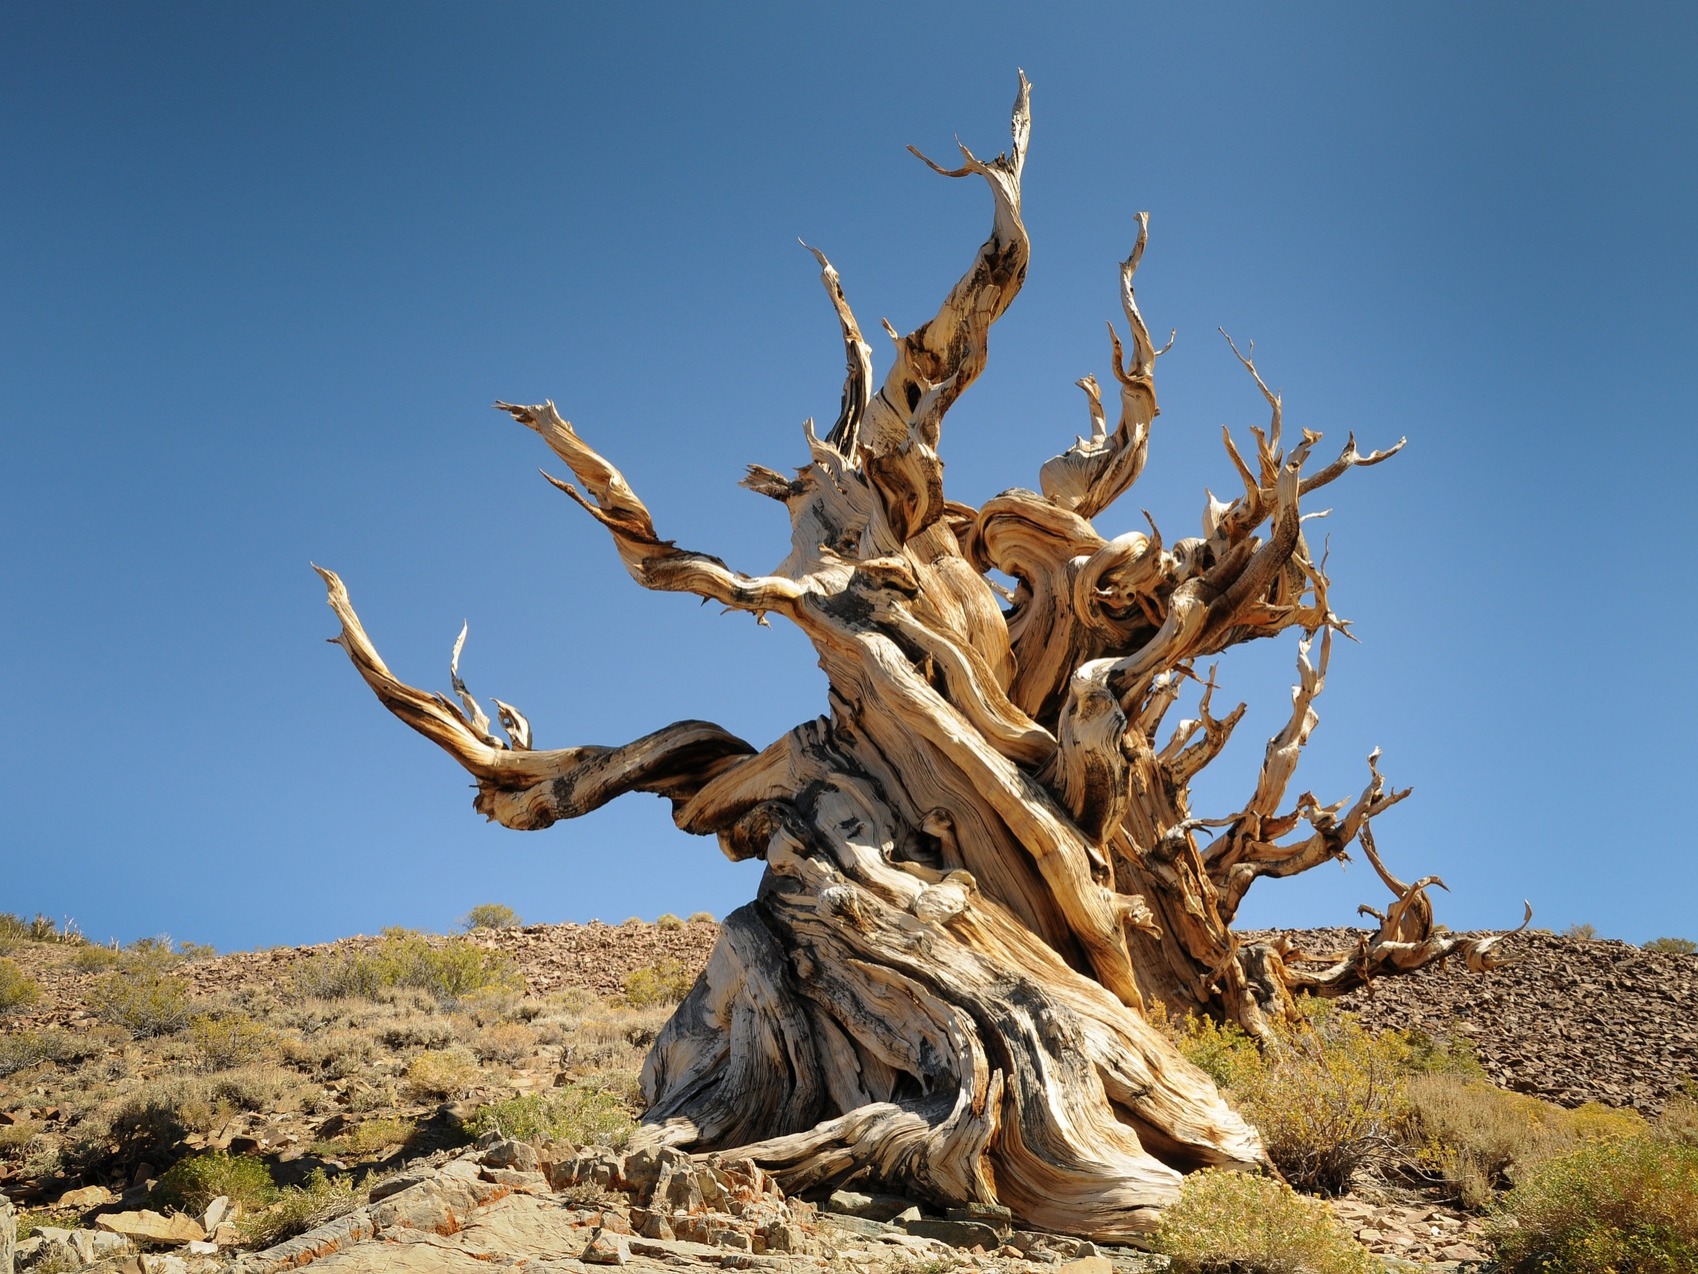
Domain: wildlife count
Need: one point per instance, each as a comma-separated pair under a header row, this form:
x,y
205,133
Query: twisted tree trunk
x,y
981,864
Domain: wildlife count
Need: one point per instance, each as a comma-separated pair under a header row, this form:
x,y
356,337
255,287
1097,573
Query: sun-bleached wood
x,y
982,866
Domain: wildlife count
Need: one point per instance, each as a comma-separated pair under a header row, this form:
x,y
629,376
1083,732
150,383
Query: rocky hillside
x,y
126,1063
1566,1019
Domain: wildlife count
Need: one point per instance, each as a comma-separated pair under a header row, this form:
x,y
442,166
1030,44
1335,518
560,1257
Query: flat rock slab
x,y
152,1227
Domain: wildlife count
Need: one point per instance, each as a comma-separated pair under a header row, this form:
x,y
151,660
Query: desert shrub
x,y
96,959
17,989
1326,1100
417,1030
506,1042
192,1183
437,1073
580,1115
19,1050
1254,1225
1673,946
1581,932
142,1002
703,918
668,921
1223,1051
299,1208
406,958
16,1136
493,1005
233,1040
159,952
367,1138
258,1086
1476,1139
15,930
331,1054
147,1123
491,915
1679,1120
1620,1207
667,982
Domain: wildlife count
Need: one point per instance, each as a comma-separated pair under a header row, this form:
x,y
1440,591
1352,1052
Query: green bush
x,y
143,1002
17,989
406,958
582,1116
666,983
1623,1207
1231,1221
193,1183
490,915
1673,946
299,1208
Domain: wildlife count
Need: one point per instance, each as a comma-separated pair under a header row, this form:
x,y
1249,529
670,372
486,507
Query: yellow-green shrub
x,y
1326,1099
437,1073
96,959
579,1115
299,1208
143,1002
1254,1225
1618,1207
667,982
491,915
367,1138
17,989
1672,946
406,958
193,1183
1476,1138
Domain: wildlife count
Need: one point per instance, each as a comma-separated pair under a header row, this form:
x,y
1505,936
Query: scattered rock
x,y
962,1234
87,1197
151,1227
606,1248
872,1207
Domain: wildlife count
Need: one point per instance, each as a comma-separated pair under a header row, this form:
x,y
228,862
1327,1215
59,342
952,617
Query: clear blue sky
x,y
264,267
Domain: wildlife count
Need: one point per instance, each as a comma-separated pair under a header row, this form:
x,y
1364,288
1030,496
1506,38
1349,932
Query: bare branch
x,y
858,355
936,362
653,562
525,789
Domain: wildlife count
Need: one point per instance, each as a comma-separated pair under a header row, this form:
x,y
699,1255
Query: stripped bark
x,y
982,866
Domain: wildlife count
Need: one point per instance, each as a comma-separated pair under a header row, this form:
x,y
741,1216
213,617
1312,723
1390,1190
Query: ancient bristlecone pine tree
x,y
982,865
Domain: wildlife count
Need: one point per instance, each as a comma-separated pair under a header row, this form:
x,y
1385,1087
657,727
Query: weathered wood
x,y
982,864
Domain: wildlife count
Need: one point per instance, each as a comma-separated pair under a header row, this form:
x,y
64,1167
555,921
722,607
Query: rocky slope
x,y
1565,1019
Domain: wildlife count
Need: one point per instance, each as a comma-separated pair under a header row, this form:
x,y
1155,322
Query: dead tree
x,y
982,864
